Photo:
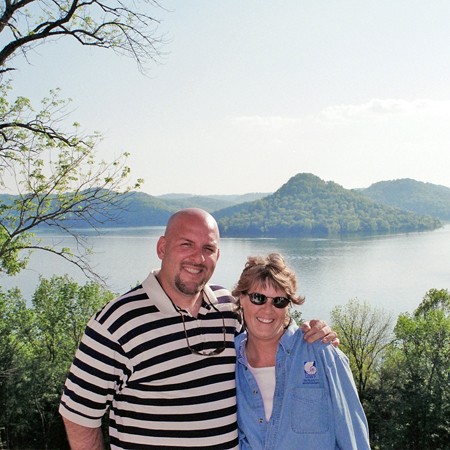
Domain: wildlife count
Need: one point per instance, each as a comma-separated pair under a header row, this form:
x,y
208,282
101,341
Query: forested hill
x,y
412,195
309,206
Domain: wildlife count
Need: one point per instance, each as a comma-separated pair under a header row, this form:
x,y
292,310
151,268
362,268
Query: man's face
x,y
189,252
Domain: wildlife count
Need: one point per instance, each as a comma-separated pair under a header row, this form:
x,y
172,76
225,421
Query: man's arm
x,y
318,329
83,438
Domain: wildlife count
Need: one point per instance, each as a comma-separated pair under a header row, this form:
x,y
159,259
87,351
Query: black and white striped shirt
x,y
134,359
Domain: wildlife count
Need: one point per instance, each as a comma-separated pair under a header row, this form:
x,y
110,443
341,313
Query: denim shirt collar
x,y
286,343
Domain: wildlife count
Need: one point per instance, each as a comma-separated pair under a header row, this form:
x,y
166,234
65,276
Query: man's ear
x,y
161,247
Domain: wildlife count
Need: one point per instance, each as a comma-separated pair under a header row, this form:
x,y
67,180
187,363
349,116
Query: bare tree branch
x,y
127,29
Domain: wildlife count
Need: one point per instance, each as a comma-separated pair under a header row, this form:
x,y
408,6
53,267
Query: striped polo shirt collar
x,y
160,299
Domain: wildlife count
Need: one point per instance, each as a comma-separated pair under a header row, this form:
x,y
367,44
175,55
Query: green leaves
x,y
58,179
37,344
409,405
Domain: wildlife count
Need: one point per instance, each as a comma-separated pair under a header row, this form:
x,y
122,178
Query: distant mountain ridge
x,y
210,203
305,205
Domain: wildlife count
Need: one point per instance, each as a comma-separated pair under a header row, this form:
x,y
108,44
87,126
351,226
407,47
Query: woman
x,y
291,395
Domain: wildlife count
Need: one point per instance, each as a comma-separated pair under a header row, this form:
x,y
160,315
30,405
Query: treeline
x,y
309,206
402,378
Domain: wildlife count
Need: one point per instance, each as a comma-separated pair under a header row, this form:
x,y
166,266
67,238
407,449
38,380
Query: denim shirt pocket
x,y
311,413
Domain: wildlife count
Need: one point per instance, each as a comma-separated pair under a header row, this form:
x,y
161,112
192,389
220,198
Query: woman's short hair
x,y
270,270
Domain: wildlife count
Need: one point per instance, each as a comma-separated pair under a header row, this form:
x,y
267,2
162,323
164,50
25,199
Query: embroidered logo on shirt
x,y
310,369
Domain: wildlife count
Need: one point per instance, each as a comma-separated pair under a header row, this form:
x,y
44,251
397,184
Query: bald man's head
x,y
189,251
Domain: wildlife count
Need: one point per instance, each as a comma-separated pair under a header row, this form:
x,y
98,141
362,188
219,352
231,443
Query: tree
x,y
39,344
424,343
14,319
12,308
54,170
364,333
412,399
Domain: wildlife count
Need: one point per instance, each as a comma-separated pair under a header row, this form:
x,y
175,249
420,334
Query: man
x,y
161,357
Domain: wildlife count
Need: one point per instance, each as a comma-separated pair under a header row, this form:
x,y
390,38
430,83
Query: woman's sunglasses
x,y
259,299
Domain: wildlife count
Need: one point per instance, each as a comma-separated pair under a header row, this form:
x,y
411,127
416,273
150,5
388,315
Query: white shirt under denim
x,y
315,404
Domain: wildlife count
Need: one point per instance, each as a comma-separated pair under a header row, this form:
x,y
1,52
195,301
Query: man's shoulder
x,y
125,302
222,294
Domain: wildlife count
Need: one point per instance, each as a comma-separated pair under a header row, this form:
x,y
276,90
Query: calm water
x,y
392,272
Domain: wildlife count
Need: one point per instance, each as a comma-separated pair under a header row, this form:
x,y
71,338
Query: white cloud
x,y
386,109
373,110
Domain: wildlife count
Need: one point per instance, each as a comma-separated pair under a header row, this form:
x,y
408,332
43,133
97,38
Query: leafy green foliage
x,y
364,333
37,345
402,382
307,206
409,406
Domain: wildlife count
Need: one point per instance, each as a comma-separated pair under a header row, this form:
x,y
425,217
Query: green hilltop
x,y
309,206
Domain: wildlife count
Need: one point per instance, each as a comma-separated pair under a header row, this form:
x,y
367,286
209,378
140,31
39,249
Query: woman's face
x,y
264,322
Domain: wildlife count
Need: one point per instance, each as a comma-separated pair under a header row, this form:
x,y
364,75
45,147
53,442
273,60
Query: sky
x,y
249,93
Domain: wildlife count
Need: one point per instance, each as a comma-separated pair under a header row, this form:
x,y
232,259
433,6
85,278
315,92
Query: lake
x,y
391,272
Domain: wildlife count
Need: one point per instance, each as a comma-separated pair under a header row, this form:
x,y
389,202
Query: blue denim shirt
x,y
315,404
